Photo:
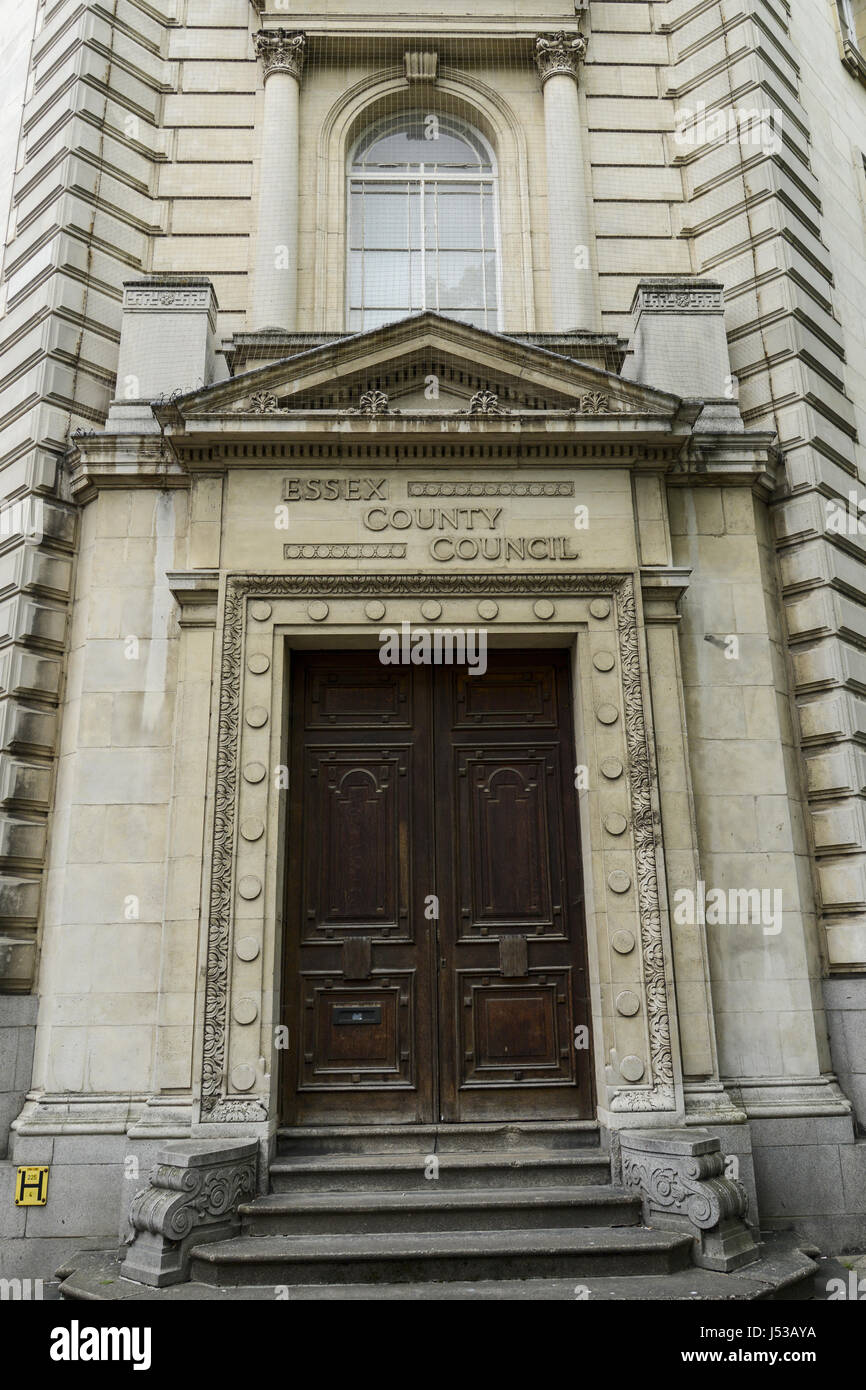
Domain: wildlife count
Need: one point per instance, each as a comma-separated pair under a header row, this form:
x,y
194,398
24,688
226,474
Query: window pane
x,y
386,279
448,151
395,150
356,262
476,317
430,232
430,140
460,280
488,220
356,219
490,280
386,220
460,220
415,219
431,285
376,317
417,280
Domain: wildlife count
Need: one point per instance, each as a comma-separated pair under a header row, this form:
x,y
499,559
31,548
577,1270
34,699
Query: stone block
x,y
193,1197
679,342
801,1181
679,1175
167,336
82,1201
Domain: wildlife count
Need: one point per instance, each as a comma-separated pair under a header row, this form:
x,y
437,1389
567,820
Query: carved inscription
x,y
458,532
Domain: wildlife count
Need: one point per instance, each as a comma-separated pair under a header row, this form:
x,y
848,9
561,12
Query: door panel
x,y
513,977
398,1016
358,958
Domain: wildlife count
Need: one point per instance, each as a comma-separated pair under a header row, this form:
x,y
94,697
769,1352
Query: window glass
x,y
422,223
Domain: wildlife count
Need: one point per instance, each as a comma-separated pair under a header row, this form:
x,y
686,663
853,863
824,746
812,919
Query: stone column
x,y
275,283
572,275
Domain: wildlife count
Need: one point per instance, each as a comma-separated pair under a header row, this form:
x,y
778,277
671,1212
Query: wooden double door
x,y
434,963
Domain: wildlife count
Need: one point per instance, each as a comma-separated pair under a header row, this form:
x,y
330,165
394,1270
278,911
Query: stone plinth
x,y
193,1197
679,1175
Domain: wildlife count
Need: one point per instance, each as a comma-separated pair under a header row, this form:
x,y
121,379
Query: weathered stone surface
x,y
193,1197
680,1177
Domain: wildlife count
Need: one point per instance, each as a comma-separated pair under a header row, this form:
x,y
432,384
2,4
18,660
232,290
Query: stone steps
x,y
396,1257
432,1209
403,1172
439,1138
783,1272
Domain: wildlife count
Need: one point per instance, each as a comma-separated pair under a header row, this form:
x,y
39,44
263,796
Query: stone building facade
x,y
543,319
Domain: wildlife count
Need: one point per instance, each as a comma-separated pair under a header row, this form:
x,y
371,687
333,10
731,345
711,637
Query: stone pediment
x,y
424,365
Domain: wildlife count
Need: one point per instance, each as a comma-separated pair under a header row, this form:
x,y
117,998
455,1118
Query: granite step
x,y
432,1209
438,1138
402,1172
783,1272
423,1257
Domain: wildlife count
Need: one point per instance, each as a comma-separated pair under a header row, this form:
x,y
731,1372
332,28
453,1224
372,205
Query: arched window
x,y
422,223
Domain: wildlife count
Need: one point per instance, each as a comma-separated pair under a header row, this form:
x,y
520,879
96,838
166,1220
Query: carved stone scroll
x,y
193,1197
679,1175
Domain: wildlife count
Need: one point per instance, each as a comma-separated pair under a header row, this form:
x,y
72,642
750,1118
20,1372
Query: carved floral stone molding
x,y
484,403
373,403
701,297
657,1093
263,403
281,51
559,54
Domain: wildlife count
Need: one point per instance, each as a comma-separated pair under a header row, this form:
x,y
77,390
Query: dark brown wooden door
x,y
512,970
434,959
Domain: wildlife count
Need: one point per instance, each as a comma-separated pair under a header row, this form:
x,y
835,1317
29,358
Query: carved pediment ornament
x,y
599,403
484,403
559,54
374,403
263,403
281,51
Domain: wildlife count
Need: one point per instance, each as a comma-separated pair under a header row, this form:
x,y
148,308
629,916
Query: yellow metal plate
x,y
31,1187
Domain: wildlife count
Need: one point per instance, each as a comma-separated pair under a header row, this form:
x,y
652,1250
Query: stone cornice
x,y
559,440
281,51
559,55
